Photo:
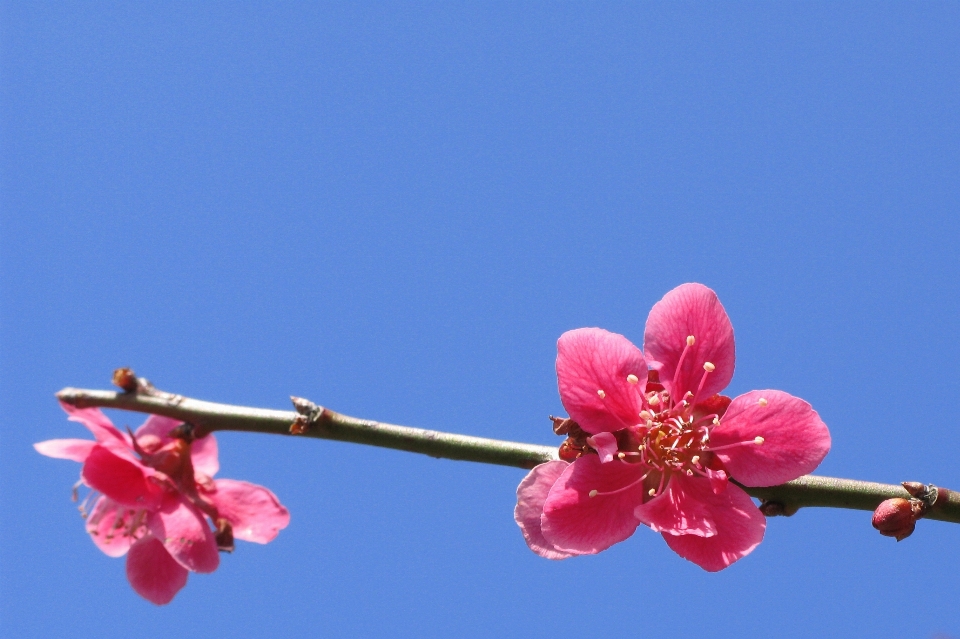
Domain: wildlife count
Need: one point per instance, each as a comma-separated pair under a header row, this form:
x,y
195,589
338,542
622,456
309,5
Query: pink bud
x,y
896,518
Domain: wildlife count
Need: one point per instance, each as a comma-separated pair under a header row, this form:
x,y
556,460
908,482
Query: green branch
x,y
311,420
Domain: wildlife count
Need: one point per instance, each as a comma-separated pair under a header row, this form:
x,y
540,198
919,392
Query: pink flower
x,y
658,446
152,495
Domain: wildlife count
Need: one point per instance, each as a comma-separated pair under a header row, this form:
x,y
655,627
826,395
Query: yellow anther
x,y
690,340
695,459
763,402
633,379
689,473
601,393
645,414
709,367
621,455
652,492
654,400
716,420
593,493
758,440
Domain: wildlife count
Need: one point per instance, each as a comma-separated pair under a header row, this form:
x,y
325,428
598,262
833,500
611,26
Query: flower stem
x,y
323,423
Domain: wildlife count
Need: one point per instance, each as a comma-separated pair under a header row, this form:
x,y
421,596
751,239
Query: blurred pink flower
x,y
152,495
658,446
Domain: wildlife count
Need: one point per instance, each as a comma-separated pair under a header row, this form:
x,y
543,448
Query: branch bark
x,y
323,423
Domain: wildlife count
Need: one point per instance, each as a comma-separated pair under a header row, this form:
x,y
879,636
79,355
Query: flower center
x,y
672,436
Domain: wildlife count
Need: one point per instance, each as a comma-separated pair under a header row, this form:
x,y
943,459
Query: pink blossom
x,y
654,443
153,498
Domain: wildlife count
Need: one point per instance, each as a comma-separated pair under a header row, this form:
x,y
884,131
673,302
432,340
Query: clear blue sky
x,y
395,210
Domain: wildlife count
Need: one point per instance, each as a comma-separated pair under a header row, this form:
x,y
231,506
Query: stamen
x,y
652,492
695,460
683,356
633,379
601,393
689,473
621,455
594,493
653,401
756,441
707,369
663,478
763,401
645,415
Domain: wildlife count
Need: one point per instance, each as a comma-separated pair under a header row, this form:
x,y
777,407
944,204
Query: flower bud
x,y
570,450
125,379
895,518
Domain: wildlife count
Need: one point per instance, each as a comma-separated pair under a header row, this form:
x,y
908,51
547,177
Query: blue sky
x,y
395,210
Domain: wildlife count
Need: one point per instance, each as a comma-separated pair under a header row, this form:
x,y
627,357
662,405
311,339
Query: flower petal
x,y
122,480
203,451
204,455
575,522
108,524
531,493
153,573
592,369
159,427
740,527
690,309
678,510
255,513
93,418
185,534
605,445
795,439
72,449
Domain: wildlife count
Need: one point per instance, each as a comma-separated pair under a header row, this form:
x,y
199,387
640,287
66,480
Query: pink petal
x,y
185,534
690,309
605,445
718,479
679,510
153,573
740,527
204,455
203,450
575,522
72,449
109,527
592,369
531,493
93,418
255,513
159,427
120,479
795,440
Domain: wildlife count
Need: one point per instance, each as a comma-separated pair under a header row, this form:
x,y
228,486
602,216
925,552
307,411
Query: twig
x,y
311,420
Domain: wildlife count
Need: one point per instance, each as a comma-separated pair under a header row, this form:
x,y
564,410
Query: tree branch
x,y
311,420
